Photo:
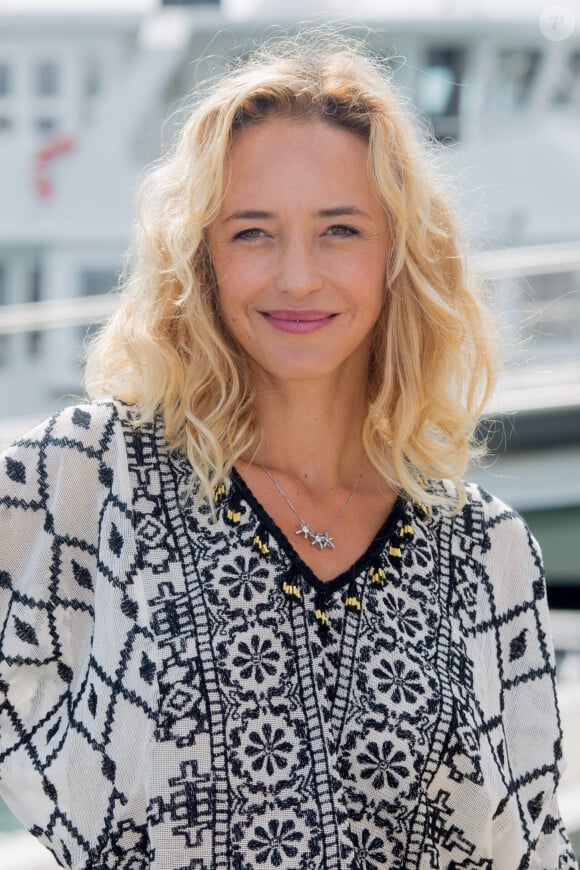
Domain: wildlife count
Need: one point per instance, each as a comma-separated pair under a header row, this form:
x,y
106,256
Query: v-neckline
x,y
363,561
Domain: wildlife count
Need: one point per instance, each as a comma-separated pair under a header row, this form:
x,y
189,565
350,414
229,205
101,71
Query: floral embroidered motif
x,y
383,765
230,711
398,681
275,843
268,749
245,577
256,659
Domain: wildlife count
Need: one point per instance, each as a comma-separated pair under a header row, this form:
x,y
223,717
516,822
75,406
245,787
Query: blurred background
x,y
90,92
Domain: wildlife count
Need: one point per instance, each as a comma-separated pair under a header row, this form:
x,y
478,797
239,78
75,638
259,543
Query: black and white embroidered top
x,y
183,694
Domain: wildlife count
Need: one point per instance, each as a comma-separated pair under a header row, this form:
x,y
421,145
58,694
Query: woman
x,y
252,617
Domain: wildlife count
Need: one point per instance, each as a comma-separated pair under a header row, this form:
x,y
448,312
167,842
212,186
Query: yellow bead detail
x,y
378,576
322,617
353,602
407,531
395,552
234,516
261,546
291,590
219,492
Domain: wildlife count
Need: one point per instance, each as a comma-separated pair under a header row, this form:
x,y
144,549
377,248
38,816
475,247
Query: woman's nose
x,y
298,268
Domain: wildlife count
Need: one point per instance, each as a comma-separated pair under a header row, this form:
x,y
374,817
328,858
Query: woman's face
x,y
299,250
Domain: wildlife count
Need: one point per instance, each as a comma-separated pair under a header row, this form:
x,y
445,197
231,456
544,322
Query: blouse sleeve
x,y
517,692
67,605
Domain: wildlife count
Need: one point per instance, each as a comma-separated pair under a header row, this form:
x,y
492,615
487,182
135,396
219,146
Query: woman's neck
x,y
309,473
311,432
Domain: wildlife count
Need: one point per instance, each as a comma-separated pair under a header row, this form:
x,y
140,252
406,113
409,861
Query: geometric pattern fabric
x,y
178,691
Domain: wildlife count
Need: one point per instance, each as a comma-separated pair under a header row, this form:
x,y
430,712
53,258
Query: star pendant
x,y
304,529
322,540
327,541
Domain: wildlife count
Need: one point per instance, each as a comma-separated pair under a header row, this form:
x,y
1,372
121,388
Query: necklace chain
x,y
322,540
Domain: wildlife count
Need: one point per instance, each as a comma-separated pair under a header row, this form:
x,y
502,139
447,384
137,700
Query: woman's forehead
x,y
283,151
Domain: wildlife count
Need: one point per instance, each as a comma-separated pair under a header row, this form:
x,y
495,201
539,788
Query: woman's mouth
x,y
298,322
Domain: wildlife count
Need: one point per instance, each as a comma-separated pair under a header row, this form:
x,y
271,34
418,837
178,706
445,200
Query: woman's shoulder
x,y
79,433
480,511
82,423
499,521
66,465
492,542
489,504
492,534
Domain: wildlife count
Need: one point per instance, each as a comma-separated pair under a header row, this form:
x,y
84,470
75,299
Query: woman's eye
x,y
341,230
251,233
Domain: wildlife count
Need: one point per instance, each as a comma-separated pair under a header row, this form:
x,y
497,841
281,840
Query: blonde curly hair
x,y
167,351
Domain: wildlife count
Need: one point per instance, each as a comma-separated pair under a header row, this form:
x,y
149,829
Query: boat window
x,y
46,82
95,282
34,337
5,79
438,89
568,89
556,528
4,339
516,72
550,317
92,77
540,316
46,125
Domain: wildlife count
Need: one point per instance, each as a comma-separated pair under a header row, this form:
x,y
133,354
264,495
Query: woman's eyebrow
x,y
249,214
259,214
339,210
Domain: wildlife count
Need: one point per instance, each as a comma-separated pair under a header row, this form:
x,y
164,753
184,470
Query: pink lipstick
x,y
298,322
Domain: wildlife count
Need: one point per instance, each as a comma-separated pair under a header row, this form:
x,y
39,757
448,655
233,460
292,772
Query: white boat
x,y
84,94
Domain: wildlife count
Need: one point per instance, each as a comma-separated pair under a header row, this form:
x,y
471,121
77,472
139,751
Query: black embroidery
x,y
228,710
115,540
25,631
518,645
81,418
147,669
15,470
93,701
52,731
535,805
82,575
106,476
65,672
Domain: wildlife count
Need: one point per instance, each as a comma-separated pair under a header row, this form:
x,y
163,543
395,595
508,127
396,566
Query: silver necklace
x,y
322,540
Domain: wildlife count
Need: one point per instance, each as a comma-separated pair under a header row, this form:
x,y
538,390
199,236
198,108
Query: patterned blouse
x,y
180,692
